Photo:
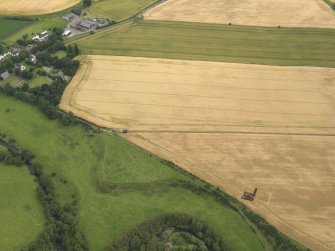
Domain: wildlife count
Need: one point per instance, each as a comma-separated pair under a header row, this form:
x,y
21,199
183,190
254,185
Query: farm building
x,y
41,36
75,25
100,20
20,67
4,75
66,33
87,24
32,59
69,16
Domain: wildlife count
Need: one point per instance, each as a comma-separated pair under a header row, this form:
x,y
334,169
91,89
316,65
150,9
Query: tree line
x,y
275,238
146,236
61,231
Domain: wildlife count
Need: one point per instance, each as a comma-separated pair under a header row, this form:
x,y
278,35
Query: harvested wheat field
x,y
237,126
286,13
294,175
34,7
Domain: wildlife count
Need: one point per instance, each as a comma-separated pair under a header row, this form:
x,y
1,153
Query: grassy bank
x,y
139,186
22,217
195,41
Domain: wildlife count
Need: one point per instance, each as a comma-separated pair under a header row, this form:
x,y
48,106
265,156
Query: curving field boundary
x,y
34,7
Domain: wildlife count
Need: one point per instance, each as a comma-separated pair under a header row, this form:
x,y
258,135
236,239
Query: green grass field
x,y
195,41
60,54
39,80
82,162
22,218
9,27
44,23
117,10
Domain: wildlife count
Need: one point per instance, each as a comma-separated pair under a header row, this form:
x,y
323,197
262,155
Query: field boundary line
x,y
236,132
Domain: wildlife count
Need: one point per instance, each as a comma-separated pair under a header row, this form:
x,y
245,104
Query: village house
x,y
66,33
100,20
4,75
20,67
69,16
32,59
86,25
41,36
2,56
30,47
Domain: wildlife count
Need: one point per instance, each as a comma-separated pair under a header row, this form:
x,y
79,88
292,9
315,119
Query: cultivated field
x,y
34,7
212,42
287,13
117,10
294,174
237,126
22,217
178,95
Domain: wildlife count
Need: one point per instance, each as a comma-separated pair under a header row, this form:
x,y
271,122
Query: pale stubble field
x,y
237,126
34,7
286,13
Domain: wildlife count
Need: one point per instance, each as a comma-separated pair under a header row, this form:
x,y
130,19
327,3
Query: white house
x,y
66,33
41,36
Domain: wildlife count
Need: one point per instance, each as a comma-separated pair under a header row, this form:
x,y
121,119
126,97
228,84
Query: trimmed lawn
x,y
211,42
80,160
22,217
39,80
60,54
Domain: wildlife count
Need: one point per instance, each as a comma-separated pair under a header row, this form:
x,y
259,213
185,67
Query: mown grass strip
x,y
211,42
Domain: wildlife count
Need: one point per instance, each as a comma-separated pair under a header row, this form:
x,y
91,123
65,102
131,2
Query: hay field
x,y
237,126
287,13
34,7
215,42
117,10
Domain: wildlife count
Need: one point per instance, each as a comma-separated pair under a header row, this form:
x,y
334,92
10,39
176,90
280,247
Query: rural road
x,y
131,19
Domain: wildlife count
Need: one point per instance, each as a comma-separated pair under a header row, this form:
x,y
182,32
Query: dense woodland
x,y
146,235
